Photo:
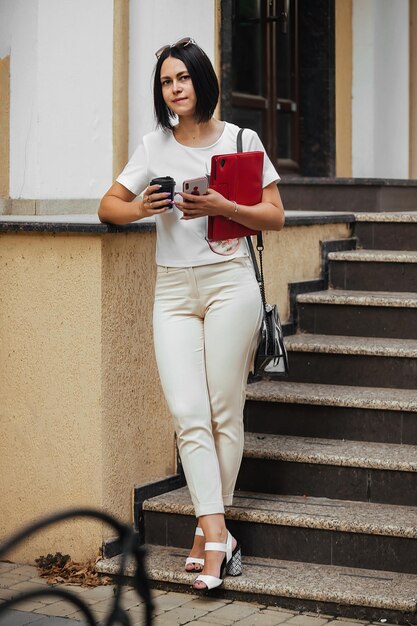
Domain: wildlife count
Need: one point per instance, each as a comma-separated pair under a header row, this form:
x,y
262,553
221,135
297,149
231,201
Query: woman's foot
x,y
214,561
195,560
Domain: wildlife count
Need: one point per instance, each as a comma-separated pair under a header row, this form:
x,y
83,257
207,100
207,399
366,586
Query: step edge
x,y
293,520
352,345
303,393
406,300
378,601
328,459
375,256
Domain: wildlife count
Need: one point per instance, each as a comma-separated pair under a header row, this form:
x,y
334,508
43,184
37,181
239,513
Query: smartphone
x,y
196,186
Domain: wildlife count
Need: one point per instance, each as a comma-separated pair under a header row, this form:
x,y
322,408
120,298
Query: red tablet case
x,y
237,176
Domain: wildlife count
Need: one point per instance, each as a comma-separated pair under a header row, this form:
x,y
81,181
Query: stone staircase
x,y
326,507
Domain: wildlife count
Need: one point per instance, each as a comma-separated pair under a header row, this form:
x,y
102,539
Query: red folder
x,y
237,176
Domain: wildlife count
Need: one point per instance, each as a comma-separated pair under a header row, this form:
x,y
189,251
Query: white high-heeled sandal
x,y
231,565
193,560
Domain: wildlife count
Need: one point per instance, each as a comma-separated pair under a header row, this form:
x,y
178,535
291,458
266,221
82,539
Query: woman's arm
x,y
117,206
267,215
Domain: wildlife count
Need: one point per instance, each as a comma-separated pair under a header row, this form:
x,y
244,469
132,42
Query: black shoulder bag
x,y
271,356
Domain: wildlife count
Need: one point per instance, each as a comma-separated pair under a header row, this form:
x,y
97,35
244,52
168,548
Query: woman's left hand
x,y
211,203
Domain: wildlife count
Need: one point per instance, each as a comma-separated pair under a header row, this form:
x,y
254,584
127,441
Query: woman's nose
x,y
176,86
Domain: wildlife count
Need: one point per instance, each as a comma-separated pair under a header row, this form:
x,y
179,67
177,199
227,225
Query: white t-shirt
x,y
182,243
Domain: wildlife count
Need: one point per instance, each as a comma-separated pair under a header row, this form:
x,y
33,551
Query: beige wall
x,y
82,415
120,85
343,88
138,433
50,415
4,126
413,88
295,254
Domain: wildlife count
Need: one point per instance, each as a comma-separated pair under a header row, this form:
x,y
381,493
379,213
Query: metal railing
x,y
129,550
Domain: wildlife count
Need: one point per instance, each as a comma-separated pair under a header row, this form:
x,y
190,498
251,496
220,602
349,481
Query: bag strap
x,y
259,240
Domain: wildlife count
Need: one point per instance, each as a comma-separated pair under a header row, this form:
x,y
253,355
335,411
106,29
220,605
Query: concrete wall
x,y
61,98
292,255
82,415
343,16
154,23
413,88
380,92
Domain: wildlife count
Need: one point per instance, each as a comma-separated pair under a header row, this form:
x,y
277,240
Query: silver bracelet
x,y
236,208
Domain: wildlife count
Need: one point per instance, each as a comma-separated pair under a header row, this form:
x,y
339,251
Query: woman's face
x,y
177,87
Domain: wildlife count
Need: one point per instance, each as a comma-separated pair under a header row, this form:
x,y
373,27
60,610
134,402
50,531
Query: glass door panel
x,y
247,61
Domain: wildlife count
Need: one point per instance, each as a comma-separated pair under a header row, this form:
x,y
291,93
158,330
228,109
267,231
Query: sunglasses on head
x,y
181,43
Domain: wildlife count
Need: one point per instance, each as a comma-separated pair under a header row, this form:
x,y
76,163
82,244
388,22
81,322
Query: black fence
x,y
129,550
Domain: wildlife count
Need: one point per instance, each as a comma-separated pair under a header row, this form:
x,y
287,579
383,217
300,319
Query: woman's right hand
x,y
153,202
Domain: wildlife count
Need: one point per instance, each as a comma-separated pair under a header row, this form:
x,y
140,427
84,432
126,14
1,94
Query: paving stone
x,y
39,580
180,615
170,601
105,605
209,604
6,582
30,605
132,594
307,620
8,579
6,567
234,612
18,618
26,570
20,588
59,609
201,623
284,612
261,618
95,594
217,620
57,621
347,622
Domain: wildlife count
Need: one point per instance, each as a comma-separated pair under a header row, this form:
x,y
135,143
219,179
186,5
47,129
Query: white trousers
x,y
206,324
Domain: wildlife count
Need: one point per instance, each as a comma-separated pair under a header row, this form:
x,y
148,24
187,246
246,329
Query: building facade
x,y
330,85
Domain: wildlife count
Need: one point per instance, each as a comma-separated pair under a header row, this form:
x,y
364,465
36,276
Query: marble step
x,y
383,299
362,361
390,217
387,231
360,313
384,456
341,590
308,529
332,411
345,396
351,470
373,270
374,256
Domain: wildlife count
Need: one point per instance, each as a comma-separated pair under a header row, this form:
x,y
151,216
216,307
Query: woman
x,y
207,309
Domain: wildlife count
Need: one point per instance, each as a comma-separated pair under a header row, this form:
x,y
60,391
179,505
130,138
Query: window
x,y
264,75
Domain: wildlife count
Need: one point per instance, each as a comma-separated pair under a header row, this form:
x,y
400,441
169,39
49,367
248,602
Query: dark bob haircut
x,y
204,81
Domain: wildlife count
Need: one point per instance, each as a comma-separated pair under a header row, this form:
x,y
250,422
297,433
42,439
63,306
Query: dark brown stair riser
x,y
373,276
387,235
295,543
328,481
360,321
331,422
352,369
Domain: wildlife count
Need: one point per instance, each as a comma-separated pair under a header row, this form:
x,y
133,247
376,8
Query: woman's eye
x,y
165,82
185,77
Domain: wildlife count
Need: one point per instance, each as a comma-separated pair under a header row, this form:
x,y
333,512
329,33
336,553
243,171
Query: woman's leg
x,y
231,330
231,327
180,354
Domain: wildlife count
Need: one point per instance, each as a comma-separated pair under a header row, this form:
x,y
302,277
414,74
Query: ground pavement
x,y
170,608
